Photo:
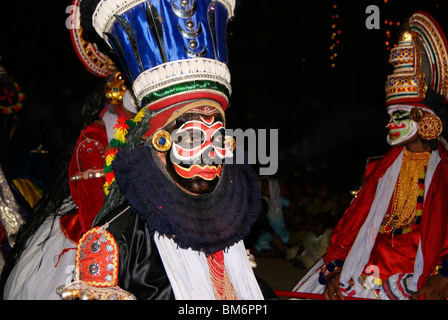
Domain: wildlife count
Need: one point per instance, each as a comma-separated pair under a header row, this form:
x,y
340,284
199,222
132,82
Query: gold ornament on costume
x,y
79,291
404,200
221,284
161,140
96,266
430,127
115,89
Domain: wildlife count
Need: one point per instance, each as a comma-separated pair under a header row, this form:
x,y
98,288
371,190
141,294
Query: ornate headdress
x,y
420,62
95,61
171,51
434,51
88,53
407,83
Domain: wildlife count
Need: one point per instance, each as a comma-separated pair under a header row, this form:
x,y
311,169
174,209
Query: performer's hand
x,y
332,290
435,288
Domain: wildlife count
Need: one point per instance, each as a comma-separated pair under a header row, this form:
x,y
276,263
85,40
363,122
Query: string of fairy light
x,y
392,24
389,29
335,38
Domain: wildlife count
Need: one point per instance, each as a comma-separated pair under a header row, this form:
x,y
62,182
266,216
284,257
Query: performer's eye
x,y
218,138
401,115
191,139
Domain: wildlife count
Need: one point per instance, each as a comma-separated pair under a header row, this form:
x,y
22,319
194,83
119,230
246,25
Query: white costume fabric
x,y
189,273
360,252
47,261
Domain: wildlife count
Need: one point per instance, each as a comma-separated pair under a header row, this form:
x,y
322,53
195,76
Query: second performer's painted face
x,y
401,127
195,161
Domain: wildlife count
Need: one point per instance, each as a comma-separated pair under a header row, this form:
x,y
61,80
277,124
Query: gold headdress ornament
x,y
420,61
407,82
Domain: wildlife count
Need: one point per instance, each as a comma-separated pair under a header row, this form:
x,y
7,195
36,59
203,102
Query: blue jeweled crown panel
x,y
155,32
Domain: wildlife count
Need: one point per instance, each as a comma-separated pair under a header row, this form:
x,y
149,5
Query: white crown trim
x,y
175,72
230,5
105,11
103,17
394,107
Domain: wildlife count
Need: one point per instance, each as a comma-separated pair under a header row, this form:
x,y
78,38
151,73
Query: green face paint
x,y
399,125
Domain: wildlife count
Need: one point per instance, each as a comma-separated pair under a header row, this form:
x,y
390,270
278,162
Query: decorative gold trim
x,y
157,142
430,127
88,174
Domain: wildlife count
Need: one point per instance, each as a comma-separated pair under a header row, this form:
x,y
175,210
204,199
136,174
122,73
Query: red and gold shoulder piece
x,y
97,258
97,263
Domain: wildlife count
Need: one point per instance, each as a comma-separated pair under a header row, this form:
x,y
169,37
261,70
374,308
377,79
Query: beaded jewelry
x,y
328,269
222,287
407,201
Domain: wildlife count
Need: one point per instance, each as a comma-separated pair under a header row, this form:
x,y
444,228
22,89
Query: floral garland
x,y
117,143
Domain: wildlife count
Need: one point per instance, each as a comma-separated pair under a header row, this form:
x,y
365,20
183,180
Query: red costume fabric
x,y
434,223
395,254
87,193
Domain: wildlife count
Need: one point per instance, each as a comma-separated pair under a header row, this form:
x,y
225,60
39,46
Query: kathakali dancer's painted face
x,y
195,160
401,127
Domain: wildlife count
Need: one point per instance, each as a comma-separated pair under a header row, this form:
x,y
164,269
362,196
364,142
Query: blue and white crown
x,y
168,47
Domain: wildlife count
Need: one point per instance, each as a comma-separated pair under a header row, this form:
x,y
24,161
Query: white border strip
x,y
107,9
408,107
174,72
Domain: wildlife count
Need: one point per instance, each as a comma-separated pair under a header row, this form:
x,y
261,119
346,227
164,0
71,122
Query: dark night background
x,y
329,118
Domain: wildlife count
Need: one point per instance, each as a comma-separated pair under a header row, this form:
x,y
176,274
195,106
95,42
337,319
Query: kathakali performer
x,y
392,242
177,209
